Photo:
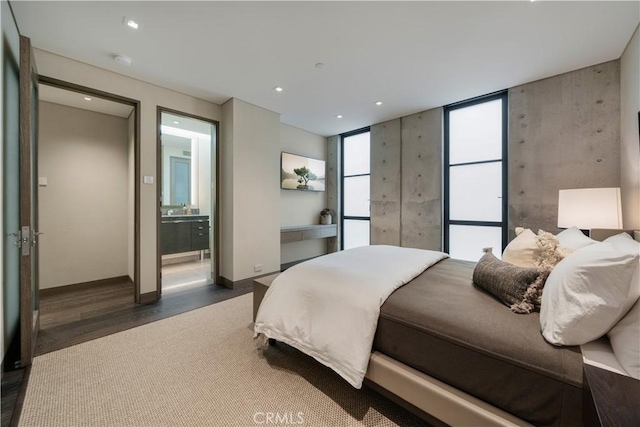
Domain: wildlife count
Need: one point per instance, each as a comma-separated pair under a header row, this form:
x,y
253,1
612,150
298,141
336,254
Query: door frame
x,y
216,221
61,84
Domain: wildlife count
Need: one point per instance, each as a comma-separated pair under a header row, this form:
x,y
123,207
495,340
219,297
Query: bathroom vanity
x,y
184,233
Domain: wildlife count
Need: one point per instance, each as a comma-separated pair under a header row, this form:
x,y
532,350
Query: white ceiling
x,y
75,99
411,55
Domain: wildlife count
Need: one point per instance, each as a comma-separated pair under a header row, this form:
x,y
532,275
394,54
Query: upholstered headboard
x,y
600,234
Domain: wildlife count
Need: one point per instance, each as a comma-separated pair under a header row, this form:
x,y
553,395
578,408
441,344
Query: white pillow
x,y
523,250
625,336
624,243
573,239
625,341
586,294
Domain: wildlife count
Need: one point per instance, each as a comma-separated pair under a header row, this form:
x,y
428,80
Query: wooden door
x,y
29,318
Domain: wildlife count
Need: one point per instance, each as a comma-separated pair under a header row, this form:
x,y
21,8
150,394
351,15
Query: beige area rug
x,y
200,368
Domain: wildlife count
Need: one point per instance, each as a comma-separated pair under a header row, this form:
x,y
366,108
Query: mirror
x,y
176,171
186,165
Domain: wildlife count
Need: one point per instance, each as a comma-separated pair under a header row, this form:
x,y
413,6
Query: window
x,y
475,174
356,216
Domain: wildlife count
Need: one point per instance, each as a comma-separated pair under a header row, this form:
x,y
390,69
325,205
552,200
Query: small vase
x,y
325,219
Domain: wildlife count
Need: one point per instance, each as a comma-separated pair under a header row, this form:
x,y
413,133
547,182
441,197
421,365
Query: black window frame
x,y
504,224
342,177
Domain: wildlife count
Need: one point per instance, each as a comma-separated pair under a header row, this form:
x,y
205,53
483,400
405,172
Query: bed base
x,y
434,397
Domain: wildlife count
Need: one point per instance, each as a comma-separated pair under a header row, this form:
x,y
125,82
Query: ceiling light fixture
x,y
132,24
339,116
123,60
175,122
86,98
278,89
378,102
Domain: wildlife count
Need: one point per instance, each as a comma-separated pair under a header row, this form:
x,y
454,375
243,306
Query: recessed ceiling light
x,y
86,98
319,65
278,89
378,102
123,60
132,24
339,116
175,122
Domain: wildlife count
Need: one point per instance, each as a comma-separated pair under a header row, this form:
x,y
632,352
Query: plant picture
x,y
302,173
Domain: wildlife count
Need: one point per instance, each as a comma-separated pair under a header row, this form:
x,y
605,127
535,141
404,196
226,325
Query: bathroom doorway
x,y
187,191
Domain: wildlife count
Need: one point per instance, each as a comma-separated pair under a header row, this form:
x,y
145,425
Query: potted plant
x,y
326,216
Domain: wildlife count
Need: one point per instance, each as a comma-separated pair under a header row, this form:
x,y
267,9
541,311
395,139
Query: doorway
x,y
88,211
188,253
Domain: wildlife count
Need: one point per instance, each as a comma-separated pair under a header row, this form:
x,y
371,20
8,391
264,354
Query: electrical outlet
x,y
257,268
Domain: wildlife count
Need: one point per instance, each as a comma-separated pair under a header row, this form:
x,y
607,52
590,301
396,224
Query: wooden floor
x,y
75,317
11,384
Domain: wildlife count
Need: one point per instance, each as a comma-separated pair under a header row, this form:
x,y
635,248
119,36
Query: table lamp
x,y
587,208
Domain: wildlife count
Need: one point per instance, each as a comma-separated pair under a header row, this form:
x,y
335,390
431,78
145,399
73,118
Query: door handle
x,y
35,236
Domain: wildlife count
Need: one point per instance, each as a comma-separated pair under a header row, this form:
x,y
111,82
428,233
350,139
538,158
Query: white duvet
x,y
328,307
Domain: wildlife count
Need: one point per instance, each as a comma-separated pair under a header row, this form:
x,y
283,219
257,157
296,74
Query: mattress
x,y
442,325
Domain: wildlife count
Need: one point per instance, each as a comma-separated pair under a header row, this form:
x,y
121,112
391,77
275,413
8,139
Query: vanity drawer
x,y
199,240
174,237
200,226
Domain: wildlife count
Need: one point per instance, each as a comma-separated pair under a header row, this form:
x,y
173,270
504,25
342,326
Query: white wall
x,y
300,207
83,209
151,96
629,139
204,181
251,190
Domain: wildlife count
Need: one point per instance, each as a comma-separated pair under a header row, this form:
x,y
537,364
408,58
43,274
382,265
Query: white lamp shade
x,y
588,208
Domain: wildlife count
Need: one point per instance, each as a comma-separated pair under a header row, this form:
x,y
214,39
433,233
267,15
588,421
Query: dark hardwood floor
x,y
11,384
75,317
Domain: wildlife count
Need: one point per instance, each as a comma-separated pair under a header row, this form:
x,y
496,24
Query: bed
x,y
481,348
455,354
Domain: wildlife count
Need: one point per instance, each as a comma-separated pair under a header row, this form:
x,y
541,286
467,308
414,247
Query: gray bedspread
x,y
444,326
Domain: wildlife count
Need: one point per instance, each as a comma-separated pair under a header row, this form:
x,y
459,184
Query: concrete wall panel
x,y
385,183
421,216
564,132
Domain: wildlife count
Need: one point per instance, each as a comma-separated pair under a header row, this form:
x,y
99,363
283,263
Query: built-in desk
x,y
298,233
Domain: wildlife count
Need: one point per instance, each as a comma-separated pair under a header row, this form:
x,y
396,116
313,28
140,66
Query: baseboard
x,y
244,282
149,297
83,286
